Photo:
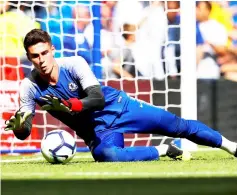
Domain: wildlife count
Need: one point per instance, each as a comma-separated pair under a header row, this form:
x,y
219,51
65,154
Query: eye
x,y
34,55
45,52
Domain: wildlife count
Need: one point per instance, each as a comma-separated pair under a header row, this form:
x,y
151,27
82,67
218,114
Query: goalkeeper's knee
x,y
107,154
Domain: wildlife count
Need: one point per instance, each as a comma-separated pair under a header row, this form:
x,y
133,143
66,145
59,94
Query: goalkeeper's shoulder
x,y
72,61
28,84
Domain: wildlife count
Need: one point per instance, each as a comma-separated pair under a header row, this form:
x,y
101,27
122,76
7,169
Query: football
x,y
58,146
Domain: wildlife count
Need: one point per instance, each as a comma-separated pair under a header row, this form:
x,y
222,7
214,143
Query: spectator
x,y
199,44
67,36
150,39
111,5
208,67
107,39
233,9
124,66
172,50
16,24
52,15
221,13
129,12
4,6
228,62
75,42
106,34
51,20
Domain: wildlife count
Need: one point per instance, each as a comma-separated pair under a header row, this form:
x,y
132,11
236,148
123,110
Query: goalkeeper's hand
x,y
17,121
57,104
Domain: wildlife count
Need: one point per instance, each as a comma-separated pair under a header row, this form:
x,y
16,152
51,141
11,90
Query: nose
x,y
41,59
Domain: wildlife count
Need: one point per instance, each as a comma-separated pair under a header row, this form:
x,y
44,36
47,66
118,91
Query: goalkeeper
x,y
69,91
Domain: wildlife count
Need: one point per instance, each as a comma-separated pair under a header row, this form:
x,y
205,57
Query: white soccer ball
x,y
58,146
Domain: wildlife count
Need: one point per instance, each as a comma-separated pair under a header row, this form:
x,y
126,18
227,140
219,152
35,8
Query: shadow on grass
x,y
167,186
47,163
82,162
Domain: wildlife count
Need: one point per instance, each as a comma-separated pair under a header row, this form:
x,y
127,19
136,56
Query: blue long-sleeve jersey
x,y
103,130
74,77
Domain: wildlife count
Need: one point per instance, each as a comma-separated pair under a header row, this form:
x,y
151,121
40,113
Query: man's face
x,y
42,56
172,5
202,12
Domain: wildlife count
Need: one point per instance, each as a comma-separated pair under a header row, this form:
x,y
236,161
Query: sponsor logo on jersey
x,y
141,105
120,99
72,86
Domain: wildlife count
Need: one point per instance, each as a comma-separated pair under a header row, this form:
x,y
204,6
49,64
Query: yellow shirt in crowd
x,y
14,26
223,16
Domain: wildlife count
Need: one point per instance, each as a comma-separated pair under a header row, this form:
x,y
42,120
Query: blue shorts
x,y
141,117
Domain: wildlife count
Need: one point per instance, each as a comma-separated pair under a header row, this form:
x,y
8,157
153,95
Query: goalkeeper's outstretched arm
x,y
20,124
94,100
25,130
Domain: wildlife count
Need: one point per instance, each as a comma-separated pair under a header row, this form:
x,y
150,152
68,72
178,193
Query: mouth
x,y
43,69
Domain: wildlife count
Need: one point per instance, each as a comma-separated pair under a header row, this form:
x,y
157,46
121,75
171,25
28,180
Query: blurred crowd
x,y
138,38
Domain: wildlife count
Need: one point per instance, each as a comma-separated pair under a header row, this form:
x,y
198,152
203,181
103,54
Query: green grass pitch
x,y
212,172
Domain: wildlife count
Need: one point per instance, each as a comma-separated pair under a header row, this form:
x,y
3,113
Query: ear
x,y
53,49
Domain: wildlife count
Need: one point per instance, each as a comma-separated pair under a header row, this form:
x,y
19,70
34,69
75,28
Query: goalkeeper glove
x,y
57,104
17,121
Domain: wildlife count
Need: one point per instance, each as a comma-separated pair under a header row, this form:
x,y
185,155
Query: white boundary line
x,y
21,160
124,174
148,173
37,159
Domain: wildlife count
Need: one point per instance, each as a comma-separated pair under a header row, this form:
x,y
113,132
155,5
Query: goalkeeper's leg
x,y
109,147
140,117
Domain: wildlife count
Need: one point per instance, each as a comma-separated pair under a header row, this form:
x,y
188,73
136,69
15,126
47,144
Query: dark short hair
x,y
208,4
36,36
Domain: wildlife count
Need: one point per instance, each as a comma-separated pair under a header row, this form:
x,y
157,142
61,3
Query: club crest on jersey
x,y
72,86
